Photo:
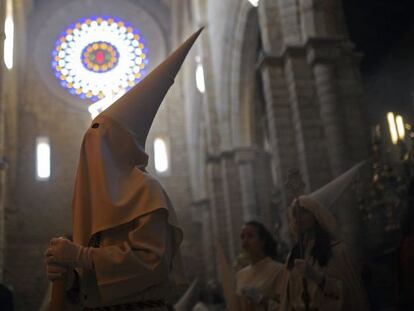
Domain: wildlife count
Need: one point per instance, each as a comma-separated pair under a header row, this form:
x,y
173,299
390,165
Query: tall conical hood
x,y
136,109
322,201
331,192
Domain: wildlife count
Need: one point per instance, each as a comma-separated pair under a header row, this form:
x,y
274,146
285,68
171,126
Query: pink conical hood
x,y
136,109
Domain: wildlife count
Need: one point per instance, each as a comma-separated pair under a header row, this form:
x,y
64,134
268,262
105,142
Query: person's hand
x,y
63,252
307,271
252,293
55,272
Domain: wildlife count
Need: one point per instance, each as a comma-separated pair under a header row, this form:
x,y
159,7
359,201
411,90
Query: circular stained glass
x,y
98,57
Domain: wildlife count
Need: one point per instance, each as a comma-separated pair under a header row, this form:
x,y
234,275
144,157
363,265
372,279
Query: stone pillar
x,y
255,185
353,104
322,18
264,187
279,119
290,21
210,115
270,26
323,55
245,157
233,200
203,244
309,136
216,192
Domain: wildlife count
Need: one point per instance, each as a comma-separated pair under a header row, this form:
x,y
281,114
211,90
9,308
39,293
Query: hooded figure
x,y
318,257
125,248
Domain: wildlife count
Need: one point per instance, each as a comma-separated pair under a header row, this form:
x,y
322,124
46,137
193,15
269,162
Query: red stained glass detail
x,y
100,57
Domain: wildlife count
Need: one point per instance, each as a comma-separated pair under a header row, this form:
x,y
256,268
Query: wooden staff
x,y
57,301
228,279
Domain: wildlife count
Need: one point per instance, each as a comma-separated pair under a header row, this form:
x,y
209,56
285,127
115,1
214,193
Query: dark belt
x,y
146,304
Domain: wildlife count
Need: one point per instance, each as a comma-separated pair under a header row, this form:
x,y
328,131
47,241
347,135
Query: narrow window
x,y
255,3
200,76
161,155
9,35
42,158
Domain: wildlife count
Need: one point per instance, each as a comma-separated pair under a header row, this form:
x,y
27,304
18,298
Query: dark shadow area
x,y
382,30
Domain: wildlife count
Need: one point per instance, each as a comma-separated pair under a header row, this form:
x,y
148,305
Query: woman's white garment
x,y
264,276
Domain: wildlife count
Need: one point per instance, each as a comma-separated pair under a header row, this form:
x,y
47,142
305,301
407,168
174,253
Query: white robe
x,y
265,276
343,289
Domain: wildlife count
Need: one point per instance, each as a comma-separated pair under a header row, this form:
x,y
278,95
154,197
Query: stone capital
x,y
288,52
201,204
244,155
267,60
330,50
200,209
227,154
294,51
323,51
212,158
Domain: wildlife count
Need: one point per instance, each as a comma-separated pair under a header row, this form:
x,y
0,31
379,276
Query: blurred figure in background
x,y
320,274
256,283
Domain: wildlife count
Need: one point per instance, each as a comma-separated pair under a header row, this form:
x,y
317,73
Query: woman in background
x,y
320,275
256,283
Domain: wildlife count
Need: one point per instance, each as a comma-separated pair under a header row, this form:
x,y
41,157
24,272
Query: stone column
x,y
279,119
255,185
204,250
309,137
322,55
353,104
264,187
233,200
216,192
245,157
290,21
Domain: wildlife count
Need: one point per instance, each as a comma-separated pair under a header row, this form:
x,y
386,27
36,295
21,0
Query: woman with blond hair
x,y
320,274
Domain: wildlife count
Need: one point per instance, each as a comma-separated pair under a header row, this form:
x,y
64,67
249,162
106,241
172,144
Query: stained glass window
x,y
99,56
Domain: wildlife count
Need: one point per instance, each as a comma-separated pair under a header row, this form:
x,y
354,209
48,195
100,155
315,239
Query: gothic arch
x,y
243,66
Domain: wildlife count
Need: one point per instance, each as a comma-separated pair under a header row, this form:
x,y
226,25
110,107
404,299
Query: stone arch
x,y
243,66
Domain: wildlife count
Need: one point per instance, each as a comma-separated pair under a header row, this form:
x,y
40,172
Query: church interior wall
x,y
283,90
37,209
297,95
